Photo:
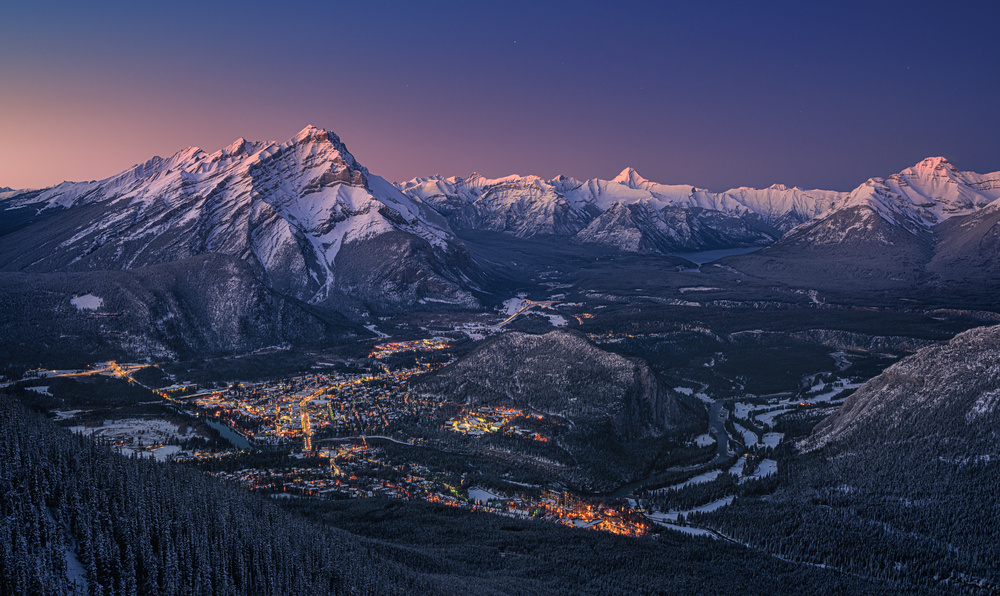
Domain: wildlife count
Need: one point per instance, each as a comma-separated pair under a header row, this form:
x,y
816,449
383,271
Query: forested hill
x,y
77,518
561,373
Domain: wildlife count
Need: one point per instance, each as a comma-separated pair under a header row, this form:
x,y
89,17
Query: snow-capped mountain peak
x,y
314,134
925,194
288,208
931,164
679,216
630,178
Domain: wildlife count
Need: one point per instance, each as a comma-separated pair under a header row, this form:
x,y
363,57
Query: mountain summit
x,y
930,222
304,214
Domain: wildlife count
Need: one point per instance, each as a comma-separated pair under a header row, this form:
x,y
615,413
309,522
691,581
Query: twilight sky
x,y
722,94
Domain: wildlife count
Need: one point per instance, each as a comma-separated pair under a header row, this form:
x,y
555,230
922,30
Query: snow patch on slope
x,y
87,302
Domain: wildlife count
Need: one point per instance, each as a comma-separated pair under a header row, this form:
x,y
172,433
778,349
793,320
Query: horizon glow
x,y
718,95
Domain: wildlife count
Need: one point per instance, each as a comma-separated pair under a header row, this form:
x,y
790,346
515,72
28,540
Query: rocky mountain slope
x,y
627,213
929,223
968,248
204,305
901,481
562,374
945,397
311,222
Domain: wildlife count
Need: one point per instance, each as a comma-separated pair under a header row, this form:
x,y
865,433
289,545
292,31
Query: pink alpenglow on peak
x,y
629,177
288,208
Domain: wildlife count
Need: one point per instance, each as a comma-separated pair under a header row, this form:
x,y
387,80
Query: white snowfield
x,y
132,435
87,302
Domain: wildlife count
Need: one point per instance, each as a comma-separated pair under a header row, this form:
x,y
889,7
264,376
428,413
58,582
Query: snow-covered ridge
x,y
924,195
288,208
638,215
596,196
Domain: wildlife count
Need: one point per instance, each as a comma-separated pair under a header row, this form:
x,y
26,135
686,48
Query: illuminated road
x,y
528,305
113,369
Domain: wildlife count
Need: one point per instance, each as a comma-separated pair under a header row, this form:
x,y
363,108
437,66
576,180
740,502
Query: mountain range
x,y
627,213
632,214
317,236
930,224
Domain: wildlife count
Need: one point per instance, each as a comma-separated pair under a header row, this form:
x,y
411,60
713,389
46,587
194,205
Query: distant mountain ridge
x,y
628,213
931,224
636,215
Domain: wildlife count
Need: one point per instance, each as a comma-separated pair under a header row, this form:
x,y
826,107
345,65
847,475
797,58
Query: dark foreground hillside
x,y
77,518
901,483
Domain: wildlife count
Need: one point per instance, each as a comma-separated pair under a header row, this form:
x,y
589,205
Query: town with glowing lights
x,y
338,425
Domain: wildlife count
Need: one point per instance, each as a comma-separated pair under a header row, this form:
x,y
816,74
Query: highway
x,y
528,304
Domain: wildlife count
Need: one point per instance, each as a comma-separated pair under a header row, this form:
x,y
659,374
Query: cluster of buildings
x,y
345,409
569,510
486,419
360,471
290,411
395,347
355,470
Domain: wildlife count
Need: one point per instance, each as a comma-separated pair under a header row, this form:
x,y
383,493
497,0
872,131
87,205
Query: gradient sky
x,y
715,94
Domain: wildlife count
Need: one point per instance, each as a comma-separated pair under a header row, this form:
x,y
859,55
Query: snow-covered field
x,y
671,516
767,418
481,495
766,468
699,479
688,530
700,394
511,306
375,331
742,410
749,437
139,436
87,302
819,392
555,320
831,390
704,440
65,414
772,439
